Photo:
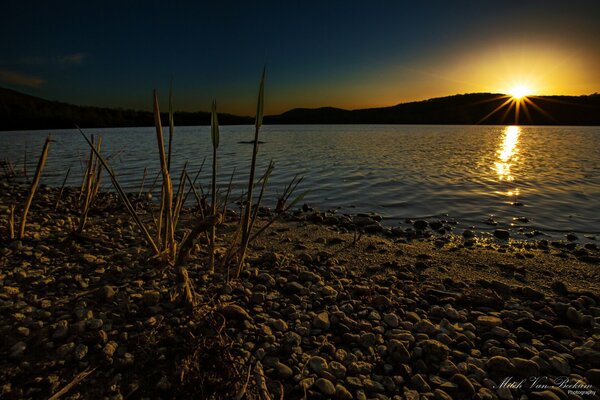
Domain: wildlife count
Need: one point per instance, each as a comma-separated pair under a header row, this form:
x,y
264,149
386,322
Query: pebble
x,y
321,321
325,386
17,350
317,364
283,370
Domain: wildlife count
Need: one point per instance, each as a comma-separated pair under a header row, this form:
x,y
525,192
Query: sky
x,y
347,54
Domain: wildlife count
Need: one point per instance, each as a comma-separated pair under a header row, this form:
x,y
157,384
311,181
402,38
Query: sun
x,y
519,91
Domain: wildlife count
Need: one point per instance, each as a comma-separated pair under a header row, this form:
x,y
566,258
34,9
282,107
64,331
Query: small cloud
x,y
16,78
76,58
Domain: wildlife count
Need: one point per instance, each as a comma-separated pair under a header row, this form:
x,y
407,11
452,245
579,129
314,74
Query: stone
x,y
64,350
502,234
488,320
308,276
398,351
337,369
367,340
283,371
391,320
151,297
317,364
235,312
525,368
500,366
94,324
420,383
16,351
279,325
62,330
341,393
373,386
325,386
464,384
593,377
107,292
420,225
110,348
321,321
294,287
543,395
80,351
560,364
573,315
441,395
434,350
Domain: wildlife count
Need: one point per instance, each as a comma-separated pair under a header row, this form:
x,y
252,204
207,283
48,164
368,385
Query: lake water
x,y
548,175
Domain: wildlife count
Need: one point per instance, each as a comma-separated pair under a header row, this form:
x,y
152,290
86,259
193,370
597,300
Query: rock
x,y
488,320
560,288
235,312
464,385
391,320
420,383
151,297
341,393
110,348
294,287
107,293
80,351
434,350
588,354
94,324
373,386
500,366
561,365
308,276
62,330
420,225
367,340
525,368
283,371
593,377
325,386
16,351
321,321
337,369
501,234
328,291
317,364
563,331
398,351
543,395
441,395
64,350
89,258
573,315
468,234
279,325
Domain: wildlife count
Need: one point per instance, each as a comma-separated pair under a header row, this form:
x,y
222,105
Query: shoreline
x,y
321,312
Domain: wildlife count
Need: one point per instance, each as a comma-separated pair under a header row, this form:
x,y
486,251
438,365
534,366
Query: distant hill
x,y
20,111
476,108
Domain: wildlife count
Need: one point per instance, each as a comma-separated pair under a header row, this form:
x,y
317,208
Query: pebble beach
x,y
329,307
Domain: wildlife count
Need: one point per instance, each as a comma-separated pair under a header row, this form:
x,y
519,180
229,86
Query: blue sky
x,y
318,53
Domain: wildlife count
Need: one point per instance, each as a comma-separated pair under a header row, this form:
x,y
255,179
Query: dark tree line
x,y
20,111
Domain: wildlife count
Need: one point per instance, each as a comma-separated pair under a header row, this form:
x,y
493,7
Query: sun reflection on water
x,y
507,153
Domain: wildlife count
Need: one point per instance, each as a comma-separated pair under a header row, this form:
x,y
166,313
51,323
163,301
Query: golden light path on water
x,y
508,155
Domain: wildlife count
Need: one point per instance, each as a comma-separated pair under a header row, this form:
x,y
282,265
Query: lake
x,y
523,178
